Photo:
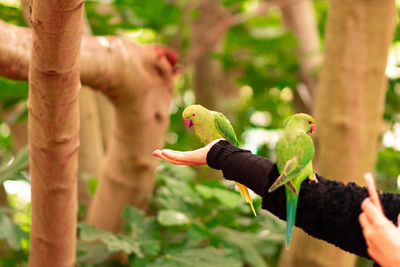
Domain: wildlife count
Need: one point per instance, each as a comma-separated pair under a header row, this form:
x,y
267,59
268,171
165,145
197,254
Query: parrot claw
x,y
314,179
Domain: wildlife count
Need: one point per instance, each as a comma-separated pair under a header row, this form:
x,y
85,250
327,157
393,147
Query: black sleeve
x,y
327,210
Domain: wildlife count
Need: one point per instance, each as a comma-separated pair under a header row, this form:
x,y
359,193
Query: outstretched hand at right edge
x,y
195,157
381,235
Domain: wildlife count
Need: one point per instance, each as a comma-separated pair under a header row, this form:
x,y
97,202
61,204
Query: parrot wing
x,y
302,153
225,128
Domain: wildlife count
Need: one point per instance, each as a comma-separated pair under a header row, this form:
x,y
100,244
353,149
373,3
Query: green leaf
x,y
92,253
172,218
13,90
227,197
92,184
247,242
151,247
12,167
198,257
198,231
113,242
143,229
10,232
11,13
206,191
132,215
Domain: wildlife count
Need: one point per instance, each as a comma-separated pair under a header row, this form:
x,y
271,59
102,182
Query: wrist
x,y
218,153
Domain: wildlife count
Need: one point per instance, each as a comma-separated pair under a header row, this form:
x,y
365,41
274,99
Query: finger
x,y
374,215
369,179
177,155
171,154
161,155
364,221
178,161
157,153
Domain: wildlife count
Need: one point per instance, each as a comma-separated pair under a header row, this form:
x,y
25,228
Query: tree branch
x,y
138,80
107,63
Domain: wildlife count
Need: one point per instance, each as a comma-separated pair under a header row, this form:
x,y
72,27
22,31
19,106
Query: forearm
x,y
327,210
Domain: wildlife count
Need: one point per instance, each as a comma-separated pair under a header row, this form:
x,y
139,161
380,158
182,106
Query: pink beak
x,y
188,122
312,129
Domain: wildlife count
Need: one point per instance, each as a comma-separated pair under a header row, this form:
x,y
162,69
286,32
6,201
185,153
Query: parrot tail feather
x,y
252,208
291,205
245,193
241,190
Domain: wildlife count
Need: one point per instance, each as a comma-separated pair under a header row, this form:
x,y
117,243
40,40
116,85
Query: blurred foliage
x,y
10,12
388,163
192,223
14,215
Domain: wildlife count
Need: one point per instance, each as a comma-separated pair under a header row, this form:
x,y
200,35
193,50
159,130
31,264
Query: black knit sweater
x,y
327,210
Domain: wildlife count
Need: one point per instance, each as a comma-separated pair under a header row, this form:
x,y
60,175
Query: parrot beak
x,y
188,122
312,129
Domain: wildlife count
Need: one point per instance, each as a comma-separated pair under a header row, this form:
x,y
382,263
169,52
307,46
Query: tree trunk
x,y
127,174
91,150
207,70
53,129
300,18
348,108
106,117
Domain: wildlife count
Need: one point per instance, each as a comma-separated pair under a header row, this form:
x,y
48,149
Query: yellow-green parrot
x,y
210,125
294,154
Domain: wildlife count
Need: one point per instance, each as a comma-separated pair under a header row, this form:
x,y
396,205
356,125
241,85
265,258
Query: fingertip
x,y
368,177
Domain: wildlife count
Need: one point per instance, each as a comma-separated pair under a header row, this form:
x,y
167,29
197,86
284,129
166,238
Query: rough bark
x,y
91,148
299,17
53,129
348,108
142,118
15,53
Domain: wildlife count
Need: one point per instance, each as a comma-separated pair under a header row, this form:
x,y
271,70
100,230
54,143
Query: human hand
x,y
381,235
195,157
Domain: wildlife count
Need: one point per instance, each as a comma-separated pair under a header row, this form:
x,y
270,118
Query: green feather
x,y
225,127
294,154
210,125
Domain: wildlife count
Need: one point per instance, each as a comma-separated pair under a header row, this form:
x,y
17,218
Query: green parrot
x,y
210,125
294,154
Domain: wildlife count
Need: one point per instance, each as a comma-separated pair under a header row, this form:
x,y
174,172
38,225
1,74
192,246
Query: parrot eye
x,y
309,122
193,114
